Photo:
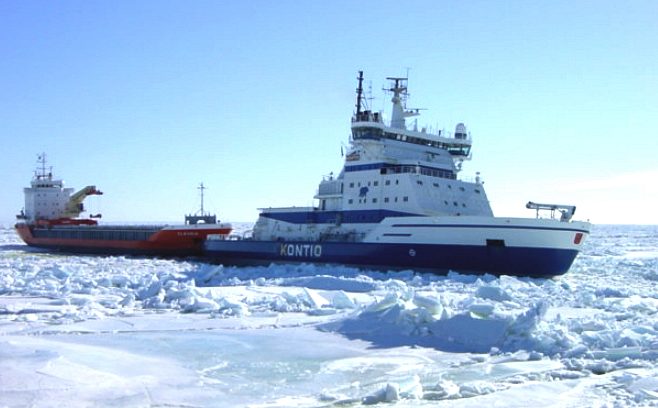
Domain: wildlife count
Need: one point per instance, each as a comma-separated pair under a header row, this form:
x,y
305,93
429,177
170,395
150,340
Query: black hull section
x,y
496,260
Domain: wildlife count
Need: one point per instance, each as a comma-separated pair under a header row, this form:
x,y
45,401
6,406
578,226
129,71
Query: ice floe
x,y
330,335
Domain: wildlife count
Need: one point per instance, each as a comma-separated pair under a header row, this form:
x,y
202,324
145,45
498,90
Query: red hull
x,y
179,241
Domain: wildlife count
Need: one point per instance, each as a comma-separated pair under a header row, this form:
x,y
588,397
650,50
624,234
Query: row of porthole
x,y
374,200
420,182
455,203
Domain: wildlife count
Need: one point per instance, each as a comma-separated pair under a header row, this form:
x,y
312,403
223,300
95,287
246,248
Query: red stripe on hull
x,y
178,241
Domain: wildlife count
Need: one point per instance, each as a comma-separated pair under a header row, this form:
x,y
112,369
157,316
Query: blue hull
x,y
496,260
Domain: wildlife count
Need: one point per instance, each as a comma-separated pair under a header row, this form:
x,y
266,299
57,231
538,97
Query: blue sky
x,y
147,99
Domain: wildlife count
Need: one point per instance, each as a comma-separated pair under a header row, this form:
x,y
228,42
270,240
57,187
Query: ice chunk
x,y
340,300
314,299
481,310
492,293
447,389
410,387
466,333
390,393
430,303
391,299
202,305
476,388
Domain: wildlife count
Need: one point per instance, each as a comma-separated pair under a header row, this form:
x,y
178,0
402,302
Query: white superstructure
x,y
398,203
389,171
48,199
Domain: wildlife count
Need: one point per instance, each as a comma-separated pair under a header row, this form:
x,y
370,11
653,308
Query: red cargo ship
x,y
51,220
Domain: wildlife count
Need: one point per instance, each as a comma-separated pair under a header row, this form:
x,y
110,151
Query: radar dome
x,y
460,131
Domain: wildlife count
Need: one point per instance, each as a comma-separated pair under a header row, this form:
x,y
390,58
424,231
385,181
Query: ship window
x,y
374,200
477,191
405,198
449,186
435,184
351,185
387,182
368,184
445,202
464,205
419,182
386,199
359,184
397,181
350,201
462,188
396,199
455,203
376,183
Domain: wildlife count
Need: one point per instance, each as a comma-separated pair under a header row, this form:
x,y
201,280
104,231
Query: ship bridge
x,y
460,148
368,125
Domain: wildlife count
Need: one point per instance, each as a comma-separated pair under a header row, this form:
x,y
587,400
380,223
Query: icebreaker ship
x,y
398,203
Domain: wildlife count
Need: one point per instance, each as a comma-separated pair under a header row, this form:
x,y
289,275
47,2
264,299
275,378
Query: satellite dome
x,y
460,131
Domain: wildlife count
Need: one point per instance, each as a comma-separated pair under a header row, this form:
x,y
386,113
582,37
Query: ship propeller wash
x,y
398,203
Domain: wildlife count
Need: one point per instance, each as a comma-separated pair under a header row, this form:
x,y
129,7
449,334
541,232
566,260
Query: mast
x,y
41,171
201,216
201,188
399,90
359,94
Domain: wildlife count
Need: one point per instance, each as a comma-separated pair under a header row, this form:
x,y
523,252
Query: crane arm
x,y
566,211
74,206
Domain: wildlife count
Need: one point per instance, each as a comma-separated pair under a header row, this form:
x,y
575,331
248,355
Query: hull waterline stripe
x,y
525,227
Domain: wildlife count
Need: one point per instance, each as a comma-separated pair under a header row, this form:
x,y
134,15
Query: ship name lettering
x,y
301,250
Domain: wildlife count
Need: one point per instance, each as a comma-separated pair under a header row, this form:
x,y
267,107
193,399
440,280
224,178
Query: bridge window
x,y
367,133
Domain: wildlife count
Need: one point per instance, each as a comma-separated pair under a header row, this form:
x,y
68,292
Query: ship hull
x,y
532,248
184,240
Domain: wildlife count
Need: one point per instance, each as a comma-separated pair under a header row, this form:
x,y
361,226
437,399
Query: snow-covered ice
x,y
122,331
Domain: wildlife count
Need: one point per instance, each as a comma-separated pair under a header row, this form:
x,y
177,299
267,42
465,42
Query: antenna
x,y
202,188
370,98
41,171
408,69
197,218
359,94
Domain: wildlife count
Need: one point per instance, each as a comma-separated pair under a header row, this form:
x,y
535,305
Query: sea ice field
x,y
137,332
